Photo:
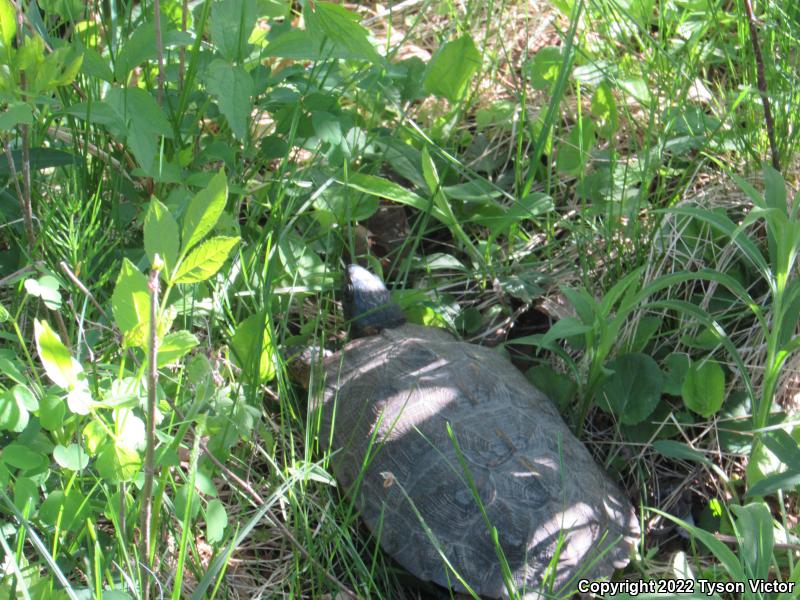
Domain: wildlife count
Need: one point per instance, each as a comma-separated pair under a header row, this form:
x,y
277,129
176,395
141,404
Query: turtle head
x,y
367,305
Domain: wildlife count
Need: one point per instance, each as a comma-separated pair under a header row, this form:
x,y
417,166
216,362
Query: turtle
x,y
443,444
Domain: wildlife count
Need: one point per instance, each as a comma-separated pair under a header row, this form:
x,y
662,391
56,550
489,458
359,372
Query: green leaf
x,y
8,23
378,186
633,390
452,68
141,46
69,510
116,463
26,495
544,67
703,389
232,86
24,396
174,346
754,532
145,123
677,364
679,450
250,335
329,23
40,158
161,234
604,109
205,260
46,288
774,190
232,22
216,521
301,45
566,327
71,457
60,367
786,481
204,211
13,413
559,387
15,114
130,301
22,457
51,412
274,8
94,65
573,153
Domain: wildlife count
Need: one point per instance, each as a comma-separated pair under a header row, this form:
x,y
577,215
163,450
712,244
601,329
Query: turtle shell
x,y
428,431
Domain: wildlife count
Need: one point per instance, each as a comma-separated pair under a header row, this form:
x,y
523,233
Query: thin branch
x,y
150,436
159,49
762,85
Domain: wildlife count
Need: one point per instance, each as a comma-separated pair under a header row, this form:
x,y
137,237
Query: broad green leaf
x,y
15,114
116,463
141,46
273,8
60,367
205,260
679,450
232,21
130,429
46,288
40,158
754,532
301,45
94,65
71,457
25,397
13,413
783,446
232,86
252,348
573,153
559,387
51,412
203,211
302,263
216,521
26,494
8,23
69,510
378,186
633,390
677,364
20,456
703,389
774,190
130,301
452,68
79,398
544,67
145,122
564,328
174,346
786,481
329,23
161,234
604,109
186,500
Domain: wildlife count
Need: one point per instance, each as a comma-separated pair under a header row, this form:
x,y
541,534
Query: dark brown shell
x,y
395,394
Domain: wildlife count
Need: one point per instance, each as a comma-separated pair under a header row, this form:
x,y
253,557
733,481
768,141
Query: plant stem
x,y
762,85
150,438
